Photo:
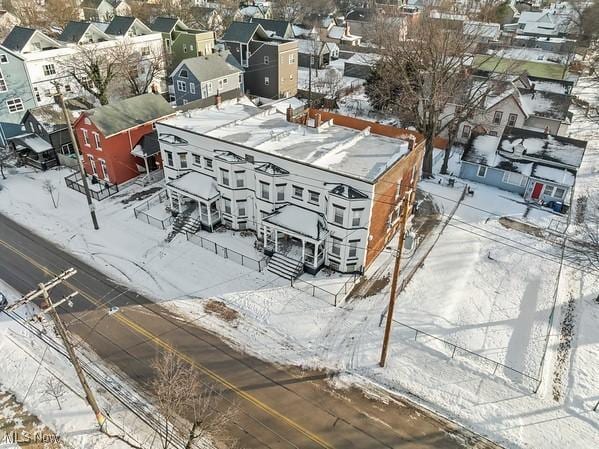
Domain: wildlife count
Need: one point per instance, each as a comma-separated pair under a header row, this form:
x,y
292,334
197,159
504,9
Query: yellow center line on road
x,y
166,346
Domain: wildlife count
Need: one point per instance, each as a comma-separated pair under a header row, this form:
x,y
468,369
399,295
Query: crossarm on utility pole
x,y
37,293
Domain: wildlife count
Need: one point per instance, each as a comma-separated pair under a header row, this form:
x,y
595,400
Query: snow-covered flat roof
x,y
556,149
337,148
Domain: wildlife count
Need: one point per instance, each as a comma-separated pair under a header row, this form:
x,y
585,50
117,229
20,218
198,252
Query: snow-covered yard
x,y
487,286
44,386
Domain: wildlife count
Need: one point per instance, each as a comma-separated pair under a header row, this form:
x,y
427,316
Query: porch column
x,y
209,209
180,198
303,250
315,262
276,240
146,164
265,231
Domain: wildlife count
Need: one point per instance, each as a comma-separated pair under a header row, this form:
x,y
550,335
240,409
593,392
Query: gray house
x,y
48,123
207,76
272,61
317,50
278,28
540,167
16,95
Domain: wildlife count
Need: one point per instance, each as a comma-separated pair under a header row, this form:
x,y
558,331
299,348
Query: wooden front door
x,y
536,191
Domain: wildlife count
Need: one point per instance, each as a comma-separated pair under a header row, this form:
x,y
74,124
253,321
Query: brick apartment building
x,y
318,188
115,139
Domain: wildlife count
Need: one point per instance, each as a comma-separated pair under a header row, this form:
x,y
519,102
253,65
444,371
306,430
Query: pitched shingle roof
x,y
212,66
74,31
18,38
242,32
278,27
164,24
116,117
119,25
51,117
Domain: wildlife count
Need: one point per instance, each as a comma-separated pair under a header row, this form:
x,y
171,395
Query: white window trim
x,y
17,103
192,88
97,140
508,175
181,86
484,175
85,137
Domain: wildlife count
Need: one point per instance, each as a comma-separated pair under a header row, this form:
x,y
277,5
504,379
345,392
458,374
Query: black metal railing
x,y
98,191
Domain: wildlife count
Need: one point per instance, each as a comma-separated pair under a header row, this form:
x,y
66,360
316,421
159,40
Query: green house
x,y
182,42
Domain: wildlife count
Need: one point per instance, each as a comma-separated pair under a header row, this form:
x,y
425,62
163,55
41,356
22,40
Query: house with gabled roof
x,y
108,136
541,167
49,124
83,33
182,42
33,65
124,26
277,28
204,77
273,61
101,10
255,10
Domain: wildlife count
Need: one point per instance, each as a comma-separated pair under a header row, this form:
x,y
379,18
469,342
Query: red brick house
x,y
117,141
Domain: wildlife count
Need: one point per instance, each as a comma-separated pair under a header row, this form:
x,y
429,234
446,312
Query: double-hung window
x,y
15,105
335,246
97,140
181,86
85,137
511,120
280,192
298,192
497,117
353,248
314,197
49,69
241,208
338,213
224,176
183,160
356,217
264,190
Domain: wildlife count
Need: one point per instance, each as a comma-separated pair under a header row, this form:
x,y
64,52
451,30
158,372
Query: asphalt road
x,y
279,407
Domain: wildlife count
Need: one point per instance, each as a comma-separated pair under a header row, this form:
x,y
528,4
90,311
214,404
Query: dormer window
x,y
183,73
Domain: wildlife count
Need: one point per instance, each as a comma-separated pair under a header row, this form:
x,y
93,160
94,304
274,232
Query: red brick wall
x,y
384,201
115,150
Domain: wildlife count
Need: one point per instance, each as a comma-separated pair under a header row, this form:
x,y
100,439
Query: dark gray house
x,y
206,76
272,61
45,128
276,28
317,50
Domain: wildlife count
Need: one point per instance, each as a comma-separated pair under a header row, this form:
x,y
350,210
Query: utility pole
x,y
92,208
50,307
406,206
310,83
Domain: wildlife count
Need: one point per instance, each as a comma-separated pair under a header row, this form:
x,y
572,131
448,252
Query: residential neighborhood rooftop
x,y
211,66
129,113
337,148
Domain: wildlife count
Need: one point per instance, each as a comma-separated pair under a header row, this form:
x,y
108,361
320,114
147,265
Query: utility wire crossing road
x,y
279,408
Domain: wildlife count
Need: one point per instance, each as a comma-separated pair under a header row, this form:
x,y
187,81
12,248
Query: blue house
x,y
538,166
206,77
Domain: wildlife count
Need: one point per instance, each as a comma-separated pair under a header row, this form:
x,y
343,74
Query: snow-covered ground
x,y
321,81
485,287
46,386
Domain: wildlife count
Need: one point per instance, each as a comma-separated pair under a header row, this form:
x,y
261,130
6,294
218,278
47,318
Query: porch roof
x,y
196,184
298,220
32,142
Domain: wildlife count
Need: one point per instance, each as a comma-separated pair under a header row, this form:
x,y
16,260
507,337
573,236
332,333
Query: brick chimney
x,y
218,100
289,113
317,121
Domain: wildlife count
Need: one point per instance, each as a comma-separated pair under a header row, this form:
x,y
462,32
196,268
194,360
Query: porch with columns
x,y
309,251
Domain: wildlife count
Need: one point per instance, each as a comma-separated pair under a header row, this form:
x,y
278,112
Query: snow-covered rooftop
x,y
337,148
196,184
298,219
557,175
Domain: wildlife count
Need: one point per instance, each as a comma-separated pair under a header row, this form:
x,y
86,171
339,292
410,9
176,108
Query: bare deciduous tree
x,y
181,399
93,69
138,70
6,153
418,78
49,187
331,82
54,389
